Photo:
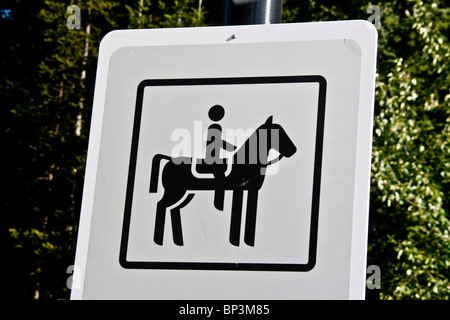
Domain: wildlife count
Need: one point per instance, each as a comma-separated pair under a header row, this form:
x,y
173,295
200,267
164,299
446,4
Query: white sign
x,y
229,163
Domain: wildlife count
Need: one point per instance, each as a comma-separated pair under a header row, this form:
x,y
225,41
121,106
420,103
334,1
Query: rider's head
x,y
216,113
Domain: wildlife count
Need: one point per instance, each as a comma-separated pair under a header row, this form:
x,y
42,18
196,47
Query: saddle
x,y
215,168
202,167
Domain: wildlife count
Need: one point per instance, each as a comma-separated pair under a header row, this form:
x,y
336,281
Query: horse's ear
x,y
269,120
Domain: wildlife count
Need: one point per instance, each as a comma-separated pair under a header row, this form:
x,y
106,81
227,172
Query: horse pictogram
x,y
249,164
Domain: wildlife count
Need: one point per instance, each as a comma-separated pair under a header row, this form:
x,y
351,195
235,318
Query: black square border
x,y
228,265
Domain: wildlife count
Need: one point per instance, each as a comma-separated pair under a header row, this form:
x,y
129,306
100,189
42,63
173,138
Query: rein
x,y
275,160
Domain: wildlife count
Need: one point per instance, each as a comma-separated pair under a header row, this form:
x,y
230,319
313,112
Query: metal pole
x,y
240,12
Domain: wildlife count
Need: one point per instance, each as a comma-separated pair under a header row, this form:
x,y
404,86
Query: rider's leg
x,y
219,194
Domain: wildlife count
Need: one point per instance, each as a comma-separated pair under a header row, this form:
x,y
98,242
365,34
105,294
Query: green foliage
x,y
165,14
410,167
46,139
47,83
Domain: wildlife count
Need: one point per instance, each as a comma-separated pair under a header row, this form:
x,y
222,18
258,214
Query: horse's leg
x,y
159,222
236,212
177,231
250,221
169,198
219,193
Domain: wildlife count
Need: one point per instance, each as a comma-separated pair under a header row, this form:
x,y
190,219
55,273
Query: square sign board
x,y
229,163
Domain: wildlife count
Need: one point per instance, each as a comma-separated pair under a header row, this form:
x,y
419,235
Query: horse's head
x,y
278,139
267,137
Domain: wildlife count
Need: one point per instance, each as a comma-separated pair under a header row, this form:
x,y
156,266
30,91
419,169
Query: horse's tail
x,y
155,171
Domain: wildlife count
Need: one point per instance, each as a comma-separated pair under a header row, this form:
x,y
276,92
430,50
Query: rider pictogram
x,y
214,145
248,169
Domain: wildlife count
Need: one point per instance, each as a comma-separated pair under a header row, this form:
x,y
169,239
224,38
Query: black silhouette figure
x,y
247,173
217,166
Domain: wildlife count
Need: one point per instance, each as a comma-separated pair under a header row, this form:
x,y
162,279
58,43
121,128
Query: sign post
x,y
242,12
229,163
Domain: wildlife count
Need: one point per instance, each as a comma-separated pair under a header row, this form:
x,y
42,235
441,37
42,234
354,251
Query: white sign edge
x,y
358,274
361,31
